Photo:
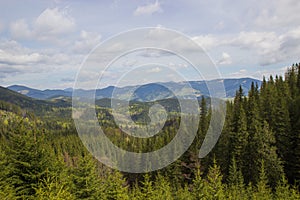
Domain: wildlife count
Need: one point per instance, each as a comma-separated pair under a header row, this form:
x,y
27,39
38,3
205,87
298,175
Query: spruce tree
x,y
282,124
263,191
198,191
266,151
6,190
28,161
115,186
236,187
162,188
53,188
285,192
253,127
147,187
293,154
239,135
85,181
214,188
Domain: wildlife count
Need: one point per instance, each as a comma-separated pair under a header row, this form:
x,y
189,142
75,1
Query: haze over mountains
x,y
147,92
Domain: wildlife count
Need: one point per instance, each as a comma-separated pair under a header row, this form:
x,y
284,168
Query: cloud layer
x,y
51,39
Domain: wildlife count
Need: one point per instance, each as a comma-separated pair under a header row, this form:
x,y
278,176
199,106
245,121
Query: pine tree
x,y
214,188
223,149
162,188
115,187
236,187
6,190
253,127
198,185
183,193
266,151
28,161
239,135
147,188
282,124
267,101
203,122
263,190
293,152
52,188
85,181
285,192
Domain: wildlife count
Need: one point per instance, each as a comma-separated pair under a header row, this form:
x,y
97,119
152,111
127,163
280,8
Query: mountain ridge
x,y
145,92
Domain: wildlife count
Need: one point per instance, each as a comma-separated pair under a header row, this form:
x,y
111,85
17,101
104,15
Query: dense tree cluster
x,y
256,157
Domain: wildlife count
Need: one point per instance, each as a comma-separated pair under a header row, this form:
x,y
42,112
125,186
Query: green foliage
x,y
115,187
85,180
285,192
27,160
53,188
236,186
6,190
147,190
259,150
162,188
198,186
214,188
263,191
239,135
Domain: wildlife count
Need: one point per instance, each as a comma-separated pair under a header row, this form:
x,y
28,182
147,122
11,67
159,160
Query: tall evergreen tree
x,y
198,185
52,188
115,186
214,188
282,124
28,161
236,187
285,192
253,127
263,190
162,188
239,135
293,154
266,151
85,180
6,190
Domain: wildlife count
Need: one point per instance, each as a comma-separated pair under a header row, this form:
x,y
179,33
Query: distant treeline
x,y
256,157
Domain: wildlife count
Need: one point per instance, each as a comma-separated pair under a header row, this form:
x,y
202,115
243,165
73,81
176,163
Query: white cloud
x,y
225,60
154,70
263,42
155,53
20,29
270,47
148,9
279,14
266,73
54,22
21,59
49,25
206,41
15,59
87,41
240,74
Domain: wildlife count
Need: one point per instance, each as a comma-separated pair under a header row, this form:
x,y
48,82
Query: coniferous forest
x,y
256,157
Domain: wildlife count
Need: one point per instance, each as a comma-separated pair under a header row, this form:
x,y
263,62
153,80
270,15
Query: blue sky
x,y
43,43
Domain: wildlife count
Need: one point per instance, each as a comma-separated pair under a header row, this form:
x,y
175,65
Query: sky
x,y
44,43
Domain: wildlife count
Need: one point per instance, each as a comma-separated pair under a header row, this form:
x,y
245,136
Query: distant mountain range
x,y
29,103
147,92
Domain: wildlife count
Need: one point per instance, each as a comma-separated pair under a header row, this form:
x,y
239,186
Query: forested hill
x,y
256,157
28,103
147,92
